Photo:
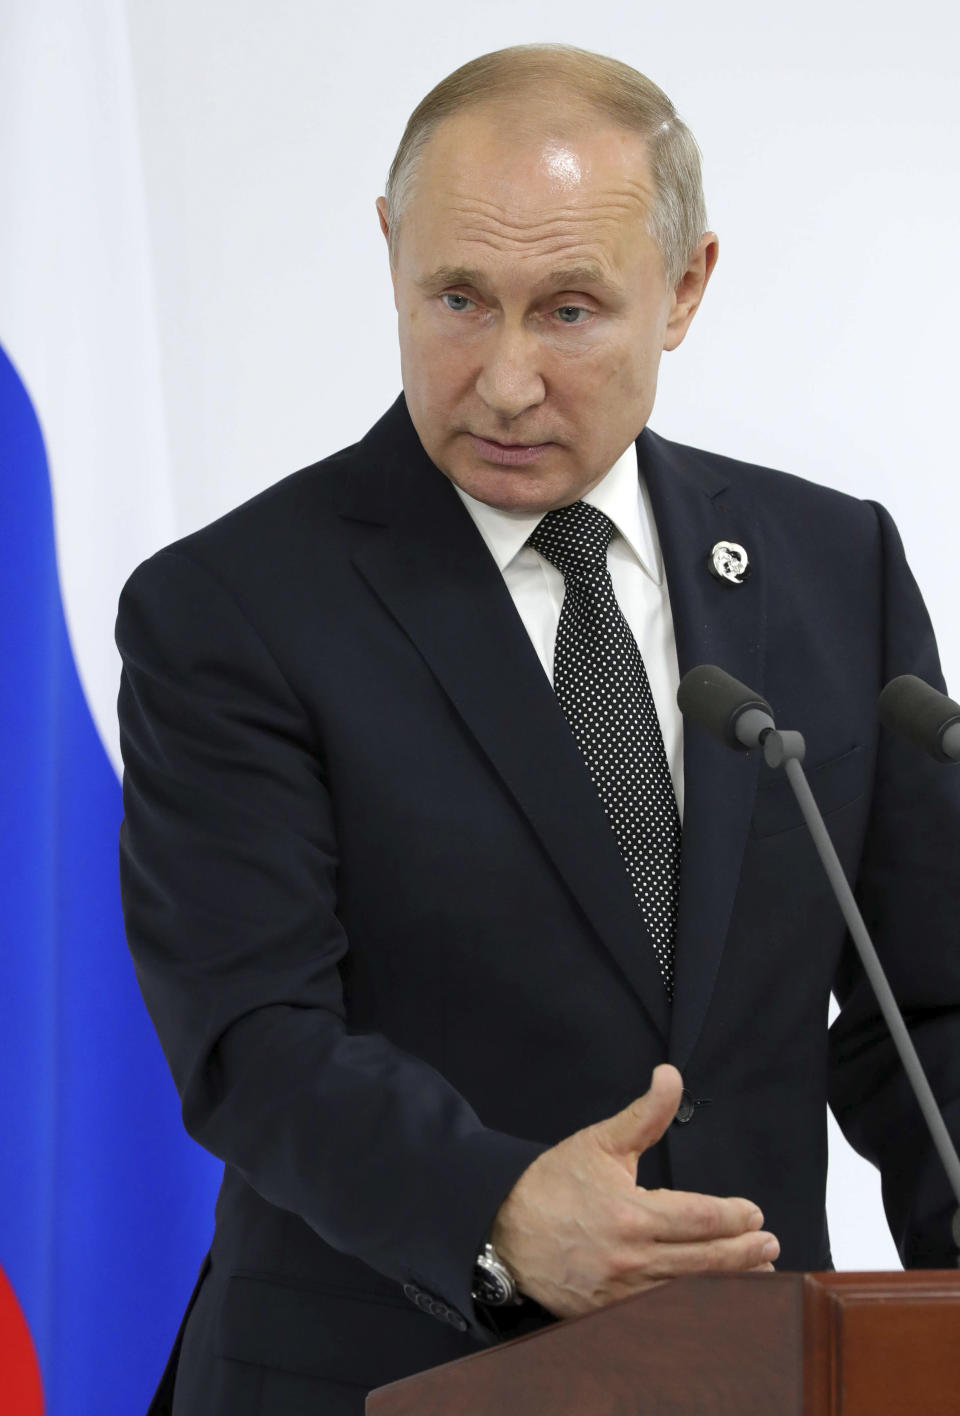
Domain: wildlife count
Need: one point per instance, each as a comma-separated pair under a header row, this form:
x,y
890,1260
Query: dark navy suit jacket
x,y
388,943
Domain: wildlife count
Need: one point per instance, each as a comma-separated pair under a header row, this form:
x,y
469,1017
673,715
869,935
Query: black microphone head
x,y
716,700
921,713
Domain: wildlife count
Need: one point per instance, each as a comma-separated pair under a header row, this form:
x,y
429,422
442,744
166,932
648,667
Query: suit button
x,y
437,1309
416,1295
450,1315
686,1108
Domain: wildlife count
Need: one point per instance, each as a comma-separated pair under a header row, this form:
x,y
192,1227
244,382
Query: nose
x,y
509,381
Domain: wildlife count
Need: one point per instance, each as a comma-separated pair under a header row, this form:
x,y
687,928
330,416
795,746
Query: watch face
x,y
488,1288
493,1290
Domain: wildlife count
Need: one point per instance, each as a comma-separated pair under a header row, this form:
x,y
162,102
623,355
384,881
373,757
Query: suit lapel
x,y
714,623
428,564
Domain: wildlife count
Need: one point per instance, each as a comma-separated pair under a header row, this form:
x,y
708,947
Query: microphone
x,y
928,718
739,717
724,706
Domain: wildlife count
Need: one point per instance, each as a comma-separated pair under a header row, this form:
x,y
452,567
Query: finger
x,y
682,1217
641,1124
745,1253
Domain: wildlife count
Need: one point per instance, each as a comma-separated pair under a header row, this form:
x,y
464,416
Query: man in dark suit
x,y
403,869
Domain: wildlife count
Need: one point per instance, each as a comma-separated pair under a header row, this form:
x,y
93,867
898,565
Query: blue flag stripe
x,y
105,1205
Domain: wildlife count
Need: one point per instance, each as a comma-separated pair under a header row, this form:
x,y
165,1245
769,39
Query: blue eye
x,y
464,301
567,311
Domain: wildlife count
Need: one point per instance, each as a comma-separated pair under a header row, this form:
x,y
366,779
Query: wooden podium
x,y
788,1344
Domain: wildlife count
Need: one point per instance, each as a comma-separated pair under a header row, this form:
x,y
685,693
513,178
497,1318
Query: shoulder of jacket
x,y
298,509
770,489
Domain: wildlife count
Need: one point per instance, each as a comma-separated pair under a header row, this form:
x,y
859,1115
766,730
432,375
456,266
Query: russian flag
x,y
105,1205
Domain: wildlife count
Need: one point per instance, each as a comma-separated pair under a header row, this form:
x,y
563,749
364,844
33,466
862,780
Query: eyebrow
x,y
566,278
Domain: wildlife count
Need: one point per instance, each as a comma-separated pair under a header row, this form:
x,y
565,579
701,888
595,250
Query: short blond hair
x,y
588,81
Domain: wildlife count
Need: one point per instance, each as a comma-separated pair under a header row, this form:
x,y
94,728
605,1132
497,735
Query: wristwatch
x,y
493,1283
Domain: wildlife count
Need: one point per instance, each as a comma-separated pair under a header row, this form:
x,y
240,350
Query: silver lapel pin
x,y
730,562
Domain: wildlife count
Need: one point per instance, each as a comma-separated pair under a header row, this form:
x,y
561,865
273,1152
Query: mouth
x,y
508,454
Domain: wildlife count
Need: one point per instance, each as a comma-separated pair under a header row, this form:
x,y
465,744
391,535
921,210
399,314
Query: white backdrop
x,y
825,345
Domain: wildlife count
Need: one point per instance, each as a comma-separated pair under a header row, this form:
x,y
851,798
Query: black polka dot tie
x,y
602,687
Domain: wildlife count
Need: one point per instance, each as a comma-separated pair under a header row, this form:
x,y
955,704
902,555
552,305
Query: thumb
x,y
641,1124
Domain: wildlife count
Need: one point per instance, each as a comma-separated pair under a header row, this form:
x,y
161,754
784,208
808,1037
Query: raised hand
x,y
577,1231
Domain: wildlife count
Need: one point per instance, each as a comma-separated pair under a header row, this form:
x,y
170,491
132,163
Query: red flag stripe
x,y
21,1392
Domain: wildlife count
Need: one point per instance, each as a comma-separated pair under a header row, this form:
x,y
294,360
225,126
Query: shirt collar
x,y
620,494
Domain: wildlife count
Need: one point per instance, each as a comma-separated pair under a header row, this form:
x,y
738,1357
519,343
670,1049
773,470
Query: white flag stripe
x,y
77,314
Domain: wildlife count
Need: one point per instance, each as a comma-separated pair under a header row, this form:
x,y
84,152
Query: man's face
x,y
533,306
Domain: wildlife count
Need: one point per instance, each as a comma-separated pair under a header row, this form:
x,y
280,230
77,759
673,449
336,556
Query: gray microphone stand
x,y
755,728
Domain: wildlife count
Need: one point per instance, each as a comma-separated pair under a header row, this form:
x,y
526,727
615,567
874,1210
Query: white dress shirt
x,y
636,569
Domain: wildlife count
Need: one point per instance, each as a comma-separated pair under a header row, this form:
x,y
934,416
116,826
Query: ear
x,y
385,228
689,290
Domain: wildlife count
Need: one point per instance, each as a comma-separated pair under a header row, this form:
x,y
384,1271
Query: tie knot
x,y
574,538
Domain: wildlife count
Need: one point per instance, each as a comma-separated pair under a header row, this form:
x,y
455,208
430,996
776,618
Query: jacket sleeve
x,y
909,891
228,860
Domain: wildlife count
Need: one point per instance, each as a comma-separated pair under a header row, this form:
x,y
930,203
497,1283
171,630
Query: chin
x,y
512,489
530,489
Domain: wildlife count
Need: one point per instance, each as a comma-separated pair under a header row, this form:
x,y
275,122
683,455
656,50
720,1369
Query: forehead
x,y
509,188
